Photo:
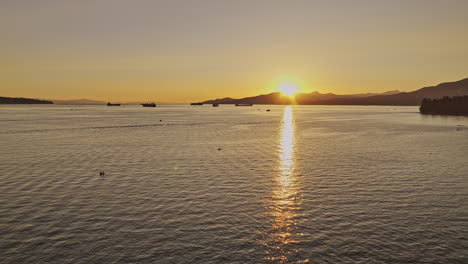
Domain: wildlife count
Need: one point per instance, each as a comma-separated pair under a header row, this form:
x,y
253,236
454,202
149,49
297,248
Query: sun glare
x,y
288,89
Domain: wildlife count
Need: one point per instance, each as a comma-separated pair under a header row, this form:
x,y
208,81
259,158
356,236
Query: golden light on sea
x,y
285,201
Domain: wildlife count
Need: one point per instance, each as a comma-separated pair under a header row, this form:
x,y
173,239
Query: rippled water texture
x,y
188,184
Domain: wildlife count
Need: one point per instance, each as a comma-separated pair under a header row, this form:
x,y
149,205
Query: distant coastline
x,y
397,98
78,102
21,100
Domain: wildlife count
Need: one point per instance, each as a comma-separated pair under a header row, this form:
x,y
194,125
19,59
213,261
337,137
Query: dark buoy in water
x,y
102,173
219,149
160,120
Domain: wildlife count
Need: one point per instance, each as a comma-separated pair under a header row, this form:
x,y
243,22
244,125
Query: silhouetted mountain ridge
x,y
395,97
457,88
279,98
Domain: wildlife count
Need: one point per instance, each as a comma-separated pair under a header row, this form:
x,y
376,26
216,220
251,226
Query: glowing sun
x,y
288,89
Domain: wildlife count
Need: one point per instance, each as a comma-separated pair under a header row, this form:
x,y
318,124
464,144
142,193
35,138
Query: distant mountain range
x,y
20,100
78,102
396,97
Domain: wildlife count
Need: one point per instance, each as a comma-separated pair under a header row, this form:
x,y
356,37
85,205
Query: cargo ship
x,y
149,105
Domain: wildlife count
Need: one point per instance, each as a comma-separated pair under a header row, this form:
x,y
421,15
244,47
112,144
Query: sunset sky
x,y
192,50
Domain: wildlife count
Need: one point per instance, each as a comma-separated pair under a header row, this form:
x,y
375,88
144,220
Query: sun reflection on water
x,y
284,204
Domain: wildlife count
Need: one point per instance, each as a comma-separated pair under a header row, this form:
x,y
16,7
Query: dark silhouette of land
x,y
457,105
280,99
458,88
450,89
78,102
20,100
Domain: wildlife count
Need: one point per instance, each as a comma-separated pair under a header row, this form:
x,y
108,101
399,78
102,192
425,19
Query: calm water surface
x,y
185,184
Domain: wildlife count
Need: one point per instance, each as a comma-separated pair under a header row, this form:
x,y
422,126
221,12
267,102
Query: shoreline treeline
x,y
457,105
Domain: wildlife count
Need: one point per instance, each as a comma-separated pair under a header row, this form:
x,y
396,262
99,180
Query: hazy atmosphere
x,y
234,131
184,51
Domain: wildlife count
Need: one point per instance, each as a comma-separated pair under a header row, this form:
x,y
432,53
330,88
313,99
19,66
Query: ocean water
x,y
197,184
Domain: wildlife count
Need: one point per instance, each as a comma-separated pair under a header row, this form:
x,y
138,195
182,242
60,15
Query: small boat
x,y
149,105
244,104
215,105
109,104
196,104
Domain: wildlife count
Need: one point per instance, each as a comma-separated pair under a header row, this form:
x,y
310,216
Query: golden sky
x,y
186,51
